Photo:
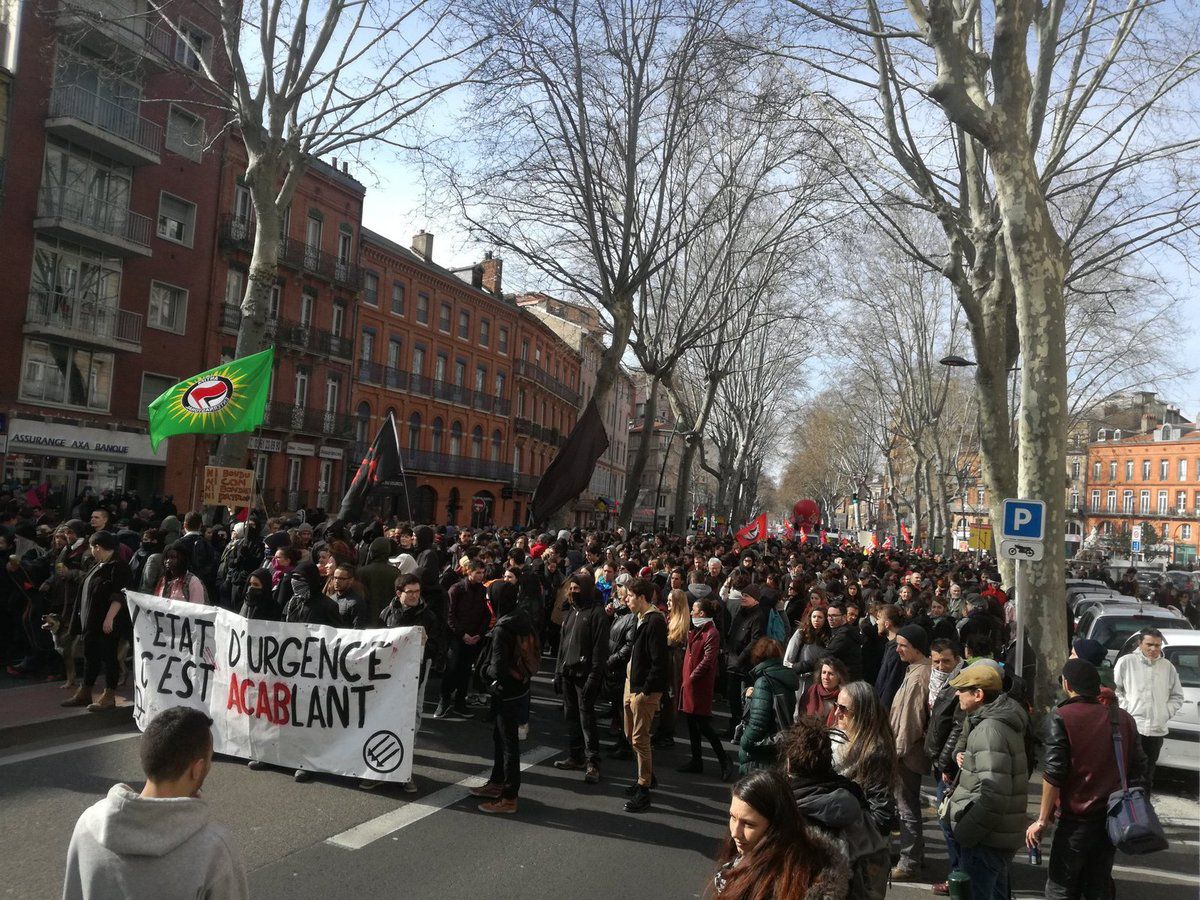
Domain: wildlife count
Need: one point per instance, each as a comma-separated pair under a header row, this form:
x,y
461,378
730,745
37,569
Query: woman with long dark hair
x,y
771,854
864,749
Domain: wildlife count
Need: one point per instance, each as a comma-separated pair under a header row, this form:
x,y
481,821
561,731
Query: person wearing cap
x,y
987,807
1095,653
909,716
1079,772
104,619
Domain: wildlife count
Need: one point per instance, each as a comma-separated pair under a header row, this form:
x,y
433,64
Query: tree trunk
x,y
252,330
691,446
1038,266
633,476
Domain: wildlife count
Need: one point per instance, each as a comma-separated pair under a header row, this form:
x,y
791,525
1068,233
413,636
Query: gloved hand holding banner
x,y
337,700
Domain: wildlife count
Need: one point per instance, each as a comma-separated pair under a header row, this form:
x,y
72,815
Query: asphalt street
x,y
568,839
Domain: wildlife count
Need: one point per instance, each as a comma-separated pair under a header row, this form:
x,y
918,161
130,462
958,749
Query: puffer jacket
x,y
759,722
909,716
987,808
1149,690
837,806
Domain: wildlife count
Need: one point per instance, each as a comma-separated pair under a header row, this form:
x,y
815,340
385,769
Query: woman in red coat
x,y
699,682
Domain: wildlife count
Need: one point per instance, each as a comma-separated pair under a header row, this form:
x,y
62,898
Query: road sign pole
x,y
1019,599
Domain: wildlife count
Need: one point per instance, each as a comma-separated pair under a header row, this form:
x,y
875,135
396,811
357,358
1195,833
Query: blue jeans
x,y
940,789
988,870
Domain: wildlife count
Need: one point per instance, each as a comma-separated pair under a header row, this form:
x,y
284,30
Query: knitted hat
x,y
1082,676
1092,651
917,636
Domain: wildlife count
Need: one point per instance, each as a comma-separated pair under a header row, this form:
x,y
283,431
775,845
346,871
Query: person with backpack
x,y
242,556
512,662
177,582
771,706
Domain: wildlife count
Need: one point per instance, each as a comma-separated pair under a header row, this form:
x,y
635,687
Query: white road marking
x,y
1154,875
415,810
65,748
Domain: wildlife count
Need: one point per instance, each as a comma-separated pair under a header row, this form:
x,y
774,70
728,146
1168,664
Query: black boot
x,y
692,767
639,802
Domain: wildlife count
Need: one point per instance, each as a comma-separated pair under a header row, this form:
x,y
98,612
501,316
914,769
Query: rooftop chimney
x,y
1149,422
345,168
492,270
422,245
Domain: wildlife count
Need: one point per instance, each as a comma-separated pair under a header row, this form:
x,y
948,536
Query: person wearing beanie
x,y
1079,772
987,807
909,716
1095,653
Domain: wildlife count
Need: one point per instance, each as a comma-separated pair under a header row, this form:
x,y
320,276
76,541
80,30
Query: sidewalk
x,y
34,712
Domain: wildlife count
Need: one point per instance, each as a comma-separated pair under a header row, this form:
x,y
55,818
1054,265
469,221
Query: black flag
x,y
381,463
569,472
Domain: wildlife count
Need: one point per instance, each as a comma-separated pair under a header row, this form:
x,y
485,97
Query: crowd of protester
x,y
827,680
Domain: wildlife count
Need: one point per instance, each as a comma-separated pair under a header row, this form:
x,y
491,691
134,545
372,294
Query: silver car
x,y
1112,623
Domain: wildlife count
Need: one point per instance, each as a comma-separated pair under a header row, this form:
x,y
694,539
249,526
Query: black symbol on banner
x,y
383,752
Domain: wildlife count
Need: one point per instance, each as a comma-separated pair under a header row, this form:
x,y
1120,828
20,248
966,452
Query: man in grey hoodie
x,y
160,843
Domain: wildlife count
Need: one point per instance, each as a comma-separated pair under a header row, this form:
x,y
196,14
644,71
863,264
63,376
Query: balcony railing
x,y
82,319
238,232
1137,513
463,466
405,381
307,338
552,436
539,376
95,219
71,101
284,416
136,37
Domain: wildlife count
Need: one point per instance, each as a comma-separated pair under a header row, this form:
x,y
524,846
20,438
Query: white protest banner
x,y
338,700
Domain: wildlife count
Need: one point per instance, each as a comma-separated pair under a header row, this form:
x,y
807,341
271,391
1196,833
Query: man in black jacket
x,y
579,674
508,683
844,641
648,679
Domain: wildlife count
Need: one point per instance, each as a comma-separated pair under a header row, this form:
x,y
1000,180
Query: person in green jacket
x,y
987,808
770,703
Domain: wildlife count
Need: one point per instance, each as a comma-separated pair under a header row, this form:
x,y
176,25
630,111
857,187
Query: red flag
x,y
874,541
904,533
824,536
887,543
803,535
752,532
789,531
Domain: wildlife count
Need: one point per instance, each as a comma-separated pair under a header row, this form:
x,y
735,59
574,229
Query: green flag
x,y
228,399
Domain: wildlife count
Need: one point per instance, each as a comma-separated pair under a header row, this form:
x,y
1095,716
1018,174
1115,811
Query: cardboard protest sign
x,y
338,700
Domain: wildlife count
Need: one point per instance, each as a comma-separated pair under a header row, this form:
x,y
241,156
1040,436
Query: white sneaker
x,y
522,732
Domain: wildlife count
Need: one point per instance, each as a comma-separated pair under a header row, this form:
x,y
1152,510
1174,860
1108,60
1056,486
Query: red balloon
x,y
807,512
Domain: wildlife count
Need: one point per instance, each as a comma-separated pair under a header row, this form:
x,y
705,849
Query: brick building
x,y
1150,478
299,454
109,240
435,349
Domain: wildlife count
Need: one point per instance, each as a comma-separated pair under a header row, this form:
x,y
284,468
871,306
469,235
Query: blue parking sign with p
x,y
1024,520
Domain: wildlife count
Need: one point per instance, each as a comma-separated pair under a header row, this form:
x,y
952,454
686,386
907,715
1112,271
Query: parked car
x,y
1183,581
1112,623
1181,749
1087,601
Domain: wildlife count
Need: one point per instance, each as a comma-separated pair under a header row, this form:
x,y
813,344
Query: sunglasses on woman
x,y
842,710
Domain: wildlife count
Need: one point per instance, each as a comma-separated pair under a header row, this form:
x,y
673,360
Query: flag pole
x,y
403,474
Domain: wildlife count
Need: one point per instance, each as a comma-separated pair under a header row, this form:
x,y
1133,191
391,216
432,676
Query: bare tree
x,y
1049,144
581,148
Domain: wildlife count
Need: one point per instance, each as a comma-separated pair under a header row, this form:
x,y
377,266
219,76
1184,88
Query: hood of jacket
x,y
516,622
423,538
1005,710
777,672
699,591
826,803
380,549
128,824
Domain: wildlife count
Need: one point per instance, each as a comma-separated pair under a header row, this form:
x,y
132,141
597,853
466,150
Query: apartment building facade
x,y
109,240
1151,479
435,349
